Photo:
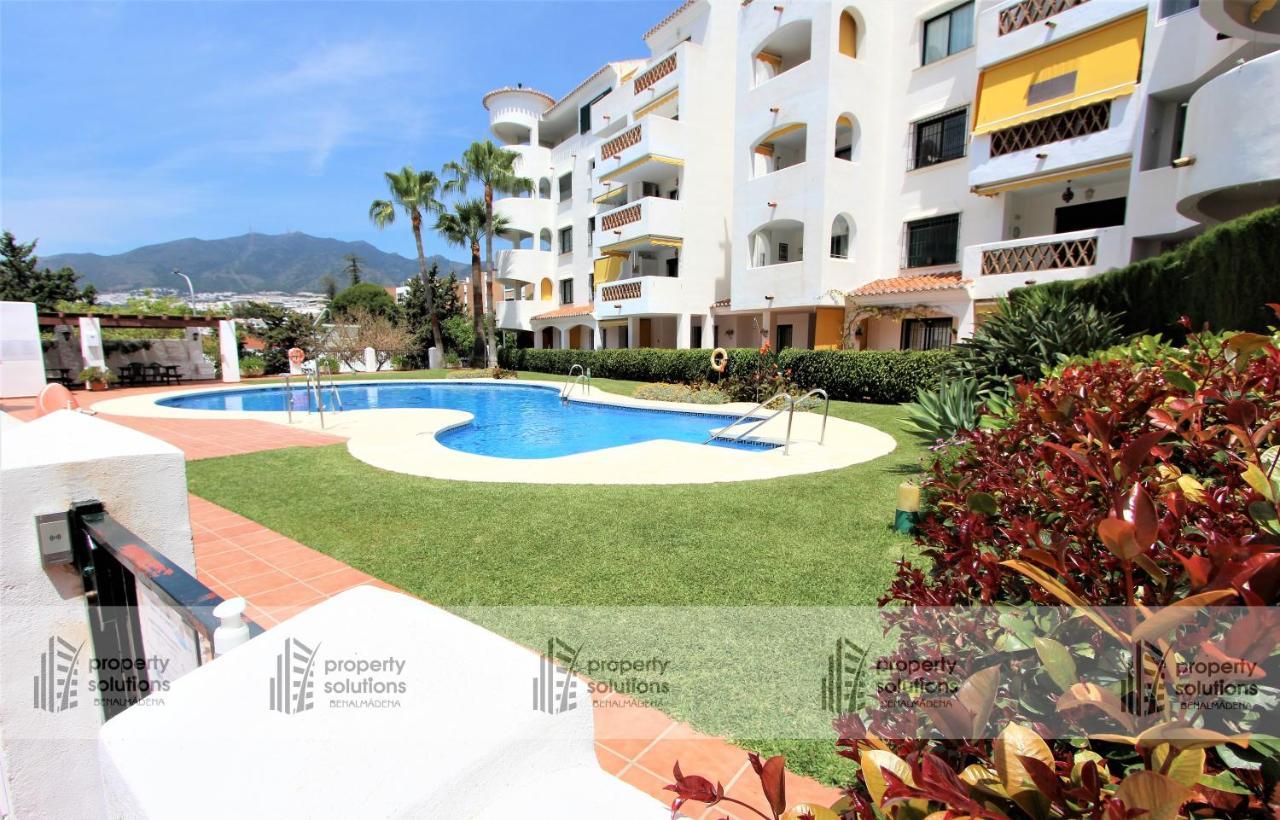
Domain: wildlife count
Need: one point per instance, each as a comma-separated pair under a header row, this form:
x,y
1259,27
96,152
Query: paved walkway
x,y
279,577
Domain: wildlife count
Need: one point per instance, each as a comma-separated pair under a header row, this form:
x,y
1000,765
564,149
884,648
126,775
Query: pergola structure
x,y
55,318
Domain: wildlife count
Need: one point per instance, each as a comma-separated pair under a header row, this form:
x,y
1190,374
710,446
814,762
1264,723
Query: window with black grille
x,y
940,138
932,241
926,334
566,291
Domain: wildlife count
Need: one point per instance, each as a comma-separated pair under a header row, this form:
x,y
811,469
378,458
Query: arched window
x,y
785,49
544,239
780,148
847,134
544,188
777,243
841,237
545,290
848,34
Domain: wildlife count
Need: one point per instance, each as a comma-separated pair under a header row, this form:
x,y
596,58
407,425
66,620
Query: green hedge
x,y
887,376
1225,277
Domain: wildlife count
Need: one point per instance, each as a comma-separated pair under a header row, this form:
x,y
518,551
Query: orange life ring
x,y
297,355
719,359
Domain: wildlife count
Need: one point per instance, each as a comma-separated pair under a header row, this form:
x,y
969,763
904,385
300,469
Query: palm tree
x,y
494,168
463,227
415,193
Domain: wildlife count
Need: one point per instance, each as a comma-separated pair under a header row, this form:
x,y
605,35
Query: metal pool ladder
x,y
583,378
826,410
788,407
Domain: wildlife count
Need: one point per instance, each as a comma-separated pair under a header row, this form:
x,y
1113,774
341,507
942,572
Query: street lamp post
x,y
191,288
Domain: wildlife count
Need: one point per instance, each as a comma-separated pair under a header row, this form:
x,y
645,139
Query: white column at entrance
x,y
633,331
91,342
229,350
564,338
537,339
684,330
965,323
708,331
597,338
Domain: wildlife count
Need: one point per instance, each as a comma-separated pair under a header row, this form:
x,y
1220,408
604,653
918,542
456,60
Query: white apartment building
x,y
874,173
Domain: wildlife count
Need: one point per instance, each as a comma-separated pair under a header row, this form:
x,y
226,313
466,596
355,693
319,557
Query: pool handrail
x,y
826,410
745,416
584,378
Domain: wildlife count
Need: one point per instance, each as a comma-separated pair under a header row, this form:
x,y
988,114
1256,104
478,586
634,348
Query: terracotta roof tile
x,y
673,15
721,303
566,311
946,280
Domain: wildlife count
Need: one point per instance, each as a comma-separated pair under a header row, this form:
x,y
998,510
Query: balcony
x,y
518,314
524,266
659,77
1007,30
646,152
534,161
1234,18
998,267
526,214
1235,166
634,222
639,296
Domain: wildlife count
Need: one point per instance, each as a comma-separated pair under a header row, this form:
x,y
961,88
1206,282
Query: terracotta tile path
x,y
280,577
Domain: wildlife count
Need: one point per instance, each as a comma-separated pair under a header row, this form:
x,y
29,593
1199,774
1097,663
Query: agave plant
x,y
957,406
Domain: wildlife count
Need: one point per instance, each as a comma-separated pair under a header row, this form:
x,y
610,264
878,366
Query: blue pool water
x,y
511,421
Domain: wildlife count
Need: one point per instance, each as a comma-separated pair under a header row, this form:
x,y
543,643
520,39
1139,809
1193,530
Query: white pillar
x,y
50,756
597,338
965,324
633,331
228,350
91,342
684,330
370,360
564,337
21,359
537,338
709,331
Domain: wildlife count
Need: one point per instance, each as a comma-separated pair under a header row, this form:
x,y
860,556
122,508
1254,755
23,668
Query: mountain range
x,y
289,262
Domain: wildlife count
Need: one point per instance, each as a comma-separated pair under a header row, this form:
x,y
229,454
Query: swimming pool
x,y
511,420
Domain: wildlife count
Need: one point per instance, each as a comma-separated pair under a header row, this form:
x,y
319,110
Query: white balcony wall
x,y
526,213
1112,252
658,295
517,315
1231,133
785,282
534,162
1118,141
658,135
993,48
1147,213
658,216
524,266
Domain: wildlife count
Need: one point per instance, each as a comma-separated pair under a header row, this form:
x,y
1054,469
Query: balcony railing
x,y
1070,124
1021,15
1070,253
622,290
664,67
617,219
620,143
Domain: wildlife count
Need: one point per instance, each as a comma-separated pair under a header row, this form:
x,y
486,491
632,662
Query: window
x,y
1168,8
566,240
939,139
649,189
566,187
1179,130
840,246
784,252
591,285
949,33
584,113
932,241
926,334
566,291
591,231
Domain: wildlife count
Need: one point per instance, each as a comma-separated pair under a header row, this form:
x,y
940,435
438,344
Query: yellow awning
x,y
1079,172
608,268
648,239
661,101
641,161
1092,67
608,195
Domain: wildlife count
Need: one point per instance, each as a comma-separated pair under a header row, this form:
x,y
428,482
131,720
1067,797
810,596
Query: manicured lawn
x,y
822,540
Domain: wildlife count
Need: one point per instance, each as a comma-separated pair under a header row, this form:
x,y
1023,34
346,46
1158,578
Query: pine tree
x,y
21,280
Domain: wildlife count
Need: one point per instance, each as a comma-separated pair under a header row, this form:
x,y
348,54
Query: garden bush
x,y
1223,278
697,394
252,366
887,376
1153,488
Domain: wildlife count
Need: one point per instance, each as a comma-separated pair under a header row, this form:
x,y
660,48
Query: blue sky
x,y
125,124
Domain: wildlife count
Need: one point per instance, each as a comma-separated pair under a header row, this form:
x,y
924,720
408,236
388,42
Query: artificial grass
x,y
820,540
